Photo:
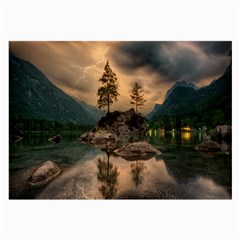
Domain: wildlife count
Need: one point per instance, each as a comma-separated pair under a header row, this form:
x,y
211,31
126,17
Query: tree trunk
x,y
108,101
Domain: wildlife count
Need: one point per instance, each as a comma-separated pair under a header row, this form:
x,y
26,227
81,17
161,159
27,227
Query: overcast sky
x,y
76,67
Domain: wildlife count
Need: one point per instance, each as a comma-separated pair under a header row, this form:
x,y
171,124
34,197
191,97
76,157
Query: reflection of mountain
x,y
183,168
137,171
107,175
33,96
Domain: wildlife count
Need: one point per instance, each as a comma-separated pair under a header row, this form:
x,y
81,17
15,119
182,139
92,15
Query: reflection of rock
x,y
44,173
208,146
137,151
101,139
208,154
55,139
224,132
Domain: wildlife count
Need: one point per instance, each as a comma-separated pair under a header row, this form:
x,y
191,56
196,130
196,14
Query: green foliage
x,y
137,96
108,92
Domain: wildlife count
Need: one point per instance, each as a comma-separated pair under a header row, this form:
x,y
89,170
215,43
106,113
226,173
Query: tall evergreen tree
x,y
137,96
108,92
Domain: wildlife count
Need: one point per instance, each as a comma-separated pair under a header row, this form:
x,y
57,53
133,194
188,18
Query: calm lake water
x,y
180,172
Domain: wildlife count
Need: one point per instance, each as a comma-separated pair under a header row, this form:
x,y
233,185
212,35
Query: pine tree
x,y
137,96
108,92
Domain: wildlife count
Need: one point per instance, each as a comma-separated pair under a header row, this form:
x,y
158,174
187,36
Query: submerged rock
x,y
137,150
44,173
55,139
208,146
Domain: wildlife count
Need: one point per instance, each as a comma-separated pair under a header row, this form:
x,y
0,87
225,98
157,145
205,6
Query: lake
x,y
87,172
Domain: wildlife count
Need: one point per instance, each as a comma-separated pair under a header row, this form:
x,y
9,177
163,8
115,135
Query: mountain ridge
x,y
33,96
209,105
180,84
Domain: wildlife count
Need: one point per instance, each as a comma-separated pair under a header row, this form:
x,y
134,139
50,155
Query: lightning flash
x,y
85,69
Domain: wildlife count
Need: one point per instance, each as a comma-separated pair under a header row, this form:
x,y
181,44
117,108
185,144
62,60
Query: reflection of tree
x,y
108,175
137,170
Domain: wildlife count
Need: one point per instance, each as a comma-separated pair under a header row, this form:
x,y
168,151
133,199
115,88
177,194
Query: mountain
x,y
180,84
33,96
210,105
95,113
156,108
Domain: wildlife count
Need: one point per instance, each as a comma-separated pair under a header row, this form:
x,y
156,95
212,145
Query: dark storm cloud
x,y
215,48
174,61
133,55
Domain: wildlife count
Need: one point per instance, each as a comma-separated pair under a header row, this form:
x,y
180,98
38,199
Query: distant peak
x,y
183,83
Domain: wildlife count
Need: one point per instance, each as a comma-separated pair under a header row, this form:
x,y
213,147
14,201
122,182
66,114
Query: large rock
x,y
101,139
208,146
137,151
123,123
224,132
114,129
44,173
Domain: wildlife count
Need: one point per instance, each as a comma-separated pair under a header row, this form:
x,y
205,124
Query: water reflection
x,y
108,176
176,138
179,172
186,136
137,171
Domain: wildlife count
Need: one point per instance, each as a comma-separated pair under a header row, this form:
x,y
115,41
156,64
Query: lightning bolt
x,y
85,69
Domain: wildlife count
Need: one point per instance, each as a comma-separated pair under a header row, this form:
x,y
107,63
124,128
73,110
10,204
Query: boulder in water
x,y
137,150
208,146
44,173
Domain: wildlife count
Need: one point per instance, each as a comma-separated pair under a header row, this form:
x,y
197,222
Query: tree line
x,y
46,125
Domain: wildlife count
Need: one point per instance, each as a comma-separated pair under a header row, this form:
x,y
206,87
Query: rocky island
x,y
113,131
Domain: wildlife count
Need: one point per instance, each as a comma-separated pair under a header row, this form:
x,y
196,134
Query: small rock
x,y
208,146
55,139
